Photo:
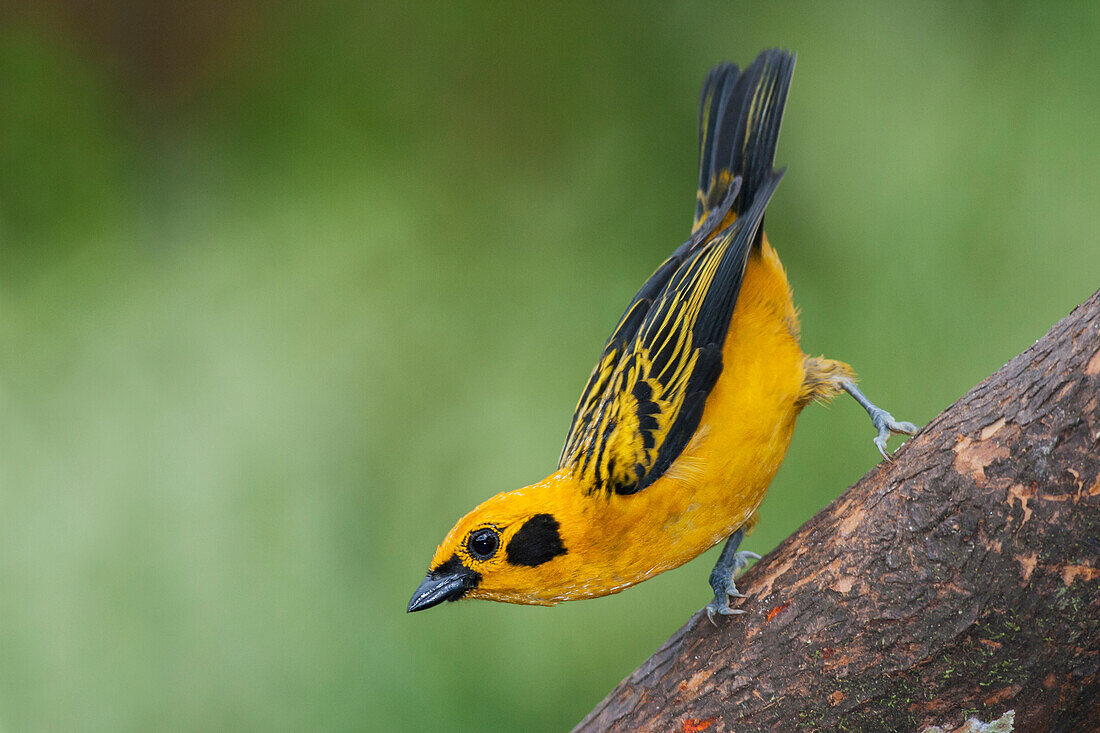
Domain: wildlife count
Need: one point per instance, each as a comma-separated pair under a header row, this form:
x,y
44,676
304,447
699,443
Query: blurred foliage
x,y
285,289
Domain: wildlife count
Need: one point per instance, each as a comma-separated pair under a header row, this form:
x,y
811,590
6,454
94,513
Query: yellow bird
x,y
690,408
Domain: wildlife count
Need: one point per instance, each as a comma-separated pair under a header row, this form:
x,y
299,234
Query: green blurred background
x,y
285,289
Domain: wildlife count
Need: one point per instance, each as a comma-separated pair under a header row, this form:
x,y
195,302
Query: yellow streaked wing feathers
x,y
646,395
631,416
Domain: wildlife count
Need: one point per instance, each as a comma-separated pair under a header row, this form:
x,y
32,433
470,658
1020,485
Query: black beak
x,y
448,582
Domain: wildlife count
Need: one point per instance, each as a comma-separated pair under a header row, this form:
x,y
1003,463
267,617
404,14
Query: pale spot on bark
x,y
694,681
764,585
990,430
971,458
1020,493
1027,564
849,523
1093,367
844,584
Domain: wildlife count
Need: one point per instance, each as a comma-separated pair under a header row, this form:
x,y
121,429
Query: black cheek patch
x,y
536,542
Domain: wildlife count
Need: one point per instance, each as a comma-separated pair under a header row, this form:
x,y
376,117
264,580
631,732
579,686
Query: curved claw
x,y
722,607
880,443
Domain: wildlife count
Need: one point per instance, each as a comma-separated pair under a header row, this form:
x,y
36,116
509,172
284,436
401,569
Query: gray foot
x,y
887,426
721,577
883,421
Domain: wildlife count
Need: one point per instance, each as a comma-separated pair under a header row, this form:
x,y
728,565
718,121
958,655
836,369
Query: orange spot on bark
x,y
1095,488
1020,494
827,651
1001,695
777,610
1071,573
836,698
695,725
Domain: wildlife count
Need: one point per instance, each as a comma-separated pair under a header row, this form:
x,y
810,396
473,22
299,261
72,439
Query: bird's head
x,y
510,548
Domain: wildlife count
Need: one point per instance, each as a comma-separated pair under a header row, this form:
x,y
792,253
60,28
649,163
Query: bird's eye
x,y
483,543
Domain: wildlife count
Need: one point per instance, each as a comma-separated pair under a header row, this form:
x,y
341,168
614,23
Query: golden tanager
x,y
690,408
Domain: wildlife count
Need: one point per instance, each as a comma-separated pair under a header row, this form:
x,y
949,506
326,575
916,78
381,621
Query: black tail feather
x,y
739,118
717,86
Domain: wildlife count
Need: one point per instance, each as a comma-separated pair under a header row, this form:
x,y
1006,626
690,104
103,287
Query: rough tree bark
x,y
960,579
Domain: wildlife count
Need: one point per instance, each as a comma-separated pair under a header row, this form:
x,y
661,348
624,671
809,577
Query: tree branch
x,y
960,579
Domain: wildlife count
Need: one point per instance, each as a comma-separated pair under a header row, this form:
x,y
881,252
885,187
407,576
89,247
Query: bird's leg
x,y
721,578
883,421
